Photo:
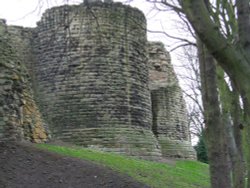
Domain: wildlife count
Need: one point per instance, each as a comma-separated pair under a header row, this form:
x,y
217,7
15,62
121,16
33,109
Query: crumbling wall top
x,y
161,71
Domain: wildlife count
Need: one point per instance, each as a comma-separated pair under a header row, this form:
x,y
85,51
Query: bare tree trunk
x,y
247,136
236,156
248,155
215,131
243,14
238,163
247,142
231,113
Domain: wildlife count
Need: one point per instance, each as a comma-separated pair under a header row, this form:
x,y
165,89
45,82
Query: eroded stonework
x,y
170,122
20,117
95,75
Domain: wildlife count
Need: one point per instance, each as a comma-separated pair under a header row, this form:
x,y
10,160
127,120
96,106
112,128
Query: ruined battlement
x,y
100,84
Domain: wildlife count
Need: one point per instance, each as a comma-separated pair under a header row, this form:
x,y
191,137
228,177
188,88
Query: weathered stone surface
x,y
108,1
92,73
89,70
129,141
16,95
168,107
92,1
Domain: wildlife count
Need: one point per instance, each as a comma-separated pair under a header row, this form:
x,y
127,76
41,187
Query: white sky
x,y
28,12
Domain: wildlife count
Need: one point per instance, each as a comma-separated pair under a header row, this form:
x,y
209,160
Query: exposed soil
x,y
24,166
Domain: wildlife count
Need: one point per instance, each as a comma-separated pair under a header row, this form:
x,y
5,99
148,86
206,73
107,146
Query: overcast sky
x,y
28,12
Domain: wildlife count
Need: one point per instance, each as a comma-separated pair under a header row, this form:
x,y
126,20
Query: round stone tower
x,y
92,77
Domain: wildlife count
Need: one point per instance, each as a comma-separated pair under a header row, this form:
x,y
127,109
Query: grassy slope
x,y
182,174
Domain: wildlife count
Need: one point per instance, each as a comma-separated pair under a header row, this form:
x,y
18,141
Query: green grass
x,y
182,174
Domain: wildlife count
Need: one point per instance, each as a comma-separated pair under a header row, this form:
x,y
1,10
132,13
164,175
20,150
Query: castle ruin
x,y
87,75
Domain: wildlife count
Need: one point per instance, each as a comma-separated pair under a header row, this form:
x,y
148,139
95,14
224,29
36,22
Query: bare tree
x,y
225,37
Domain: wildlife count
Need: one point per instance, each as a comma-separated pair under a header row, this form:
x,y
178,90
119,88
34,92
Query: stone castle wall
x,y
98,82
20,118
170,123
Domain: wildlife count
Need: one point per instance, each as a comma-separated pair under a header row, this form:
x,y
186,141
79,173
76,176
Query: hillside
x,y
170,174
35,166
24,166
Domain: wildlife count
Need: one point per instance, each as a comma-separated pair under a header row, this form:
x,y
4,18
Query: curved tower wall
x,y
92,77
170,123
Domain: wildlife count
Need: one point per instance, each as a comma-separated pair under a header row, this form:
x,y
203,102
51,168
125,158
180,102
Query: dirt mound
x,y
23,166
